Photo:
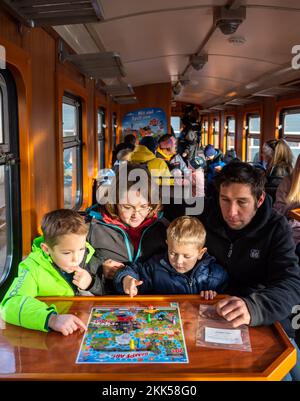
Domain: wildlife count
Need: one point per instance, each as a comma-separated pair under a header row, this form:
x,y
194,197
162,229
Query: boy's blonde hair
x,y
187,230
61,222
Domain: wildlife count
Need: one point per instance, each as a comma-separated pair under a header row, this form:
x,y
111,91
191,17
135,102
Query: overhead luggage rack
x,y
94,65
117,90
56,12
125,99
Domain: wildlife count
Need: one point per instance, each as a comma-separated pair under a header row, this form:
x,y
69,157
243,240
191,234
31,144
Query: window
x,y
216,130
175,123
72,148
289,129
230,133
114,130
10,205
253,138
205,133
101,137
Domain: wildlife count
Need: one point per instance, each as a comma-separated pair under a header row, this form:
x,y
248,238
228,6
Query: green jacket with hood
x,y
37,276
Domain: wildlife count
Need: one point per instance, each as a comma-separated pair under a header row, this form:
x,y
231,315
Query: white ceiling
x,y
155,39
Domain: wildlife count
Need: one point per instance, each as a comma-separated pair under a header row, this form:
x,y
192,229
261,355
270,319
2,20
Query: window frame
x,y
204,137
101,137
75,142
11,160
283,112
114,126
252,135
215,133
230,133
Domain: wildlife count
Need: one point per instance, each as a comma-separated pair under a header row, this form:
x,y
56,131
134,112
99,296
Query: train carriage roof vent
x,y
239,101
117,90
94,65
125,99
275,91
218,107
56,12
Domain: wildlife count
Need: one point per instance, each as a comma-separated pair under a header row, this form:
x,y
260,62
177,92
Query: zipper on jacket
x,y
230,250
130,258
190,281
140,243
58,270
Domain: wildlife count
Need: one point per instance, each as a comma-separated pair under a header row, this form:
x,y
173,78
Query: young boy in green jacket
x,y
52,269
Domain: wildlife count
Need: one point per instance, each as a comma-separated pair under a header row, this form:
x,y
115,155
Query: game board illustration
x,y
134,335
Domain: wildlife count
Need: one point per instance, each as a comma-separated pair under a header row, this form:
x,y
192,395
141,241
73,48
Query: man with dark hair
x,y
254,244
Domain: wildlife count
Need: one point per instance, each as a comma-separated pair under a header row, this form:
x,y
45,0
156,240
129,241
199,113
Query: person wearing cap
x,y
214,163
144,153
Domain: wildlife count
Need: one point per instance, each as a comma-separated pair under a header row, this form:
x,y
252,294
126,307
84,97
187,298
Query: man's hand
x,y
66,324
130,285
110,268
208,294
82,278
234,310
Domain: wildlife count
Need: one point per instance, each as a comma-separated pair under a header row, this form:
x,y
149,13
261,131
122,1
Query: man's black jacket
x,y
260,260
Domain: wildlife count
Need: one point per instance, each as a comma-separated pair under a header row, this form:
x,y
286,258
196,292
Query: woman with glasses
x,y
128,225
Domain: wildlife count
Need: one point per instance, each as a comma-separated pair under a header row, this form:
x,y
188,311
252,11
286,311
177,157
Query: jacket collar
x,y
201,264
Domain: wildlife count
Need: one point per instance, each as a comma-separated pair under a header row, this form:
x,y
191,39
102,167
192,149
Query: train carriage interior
x,y
76,77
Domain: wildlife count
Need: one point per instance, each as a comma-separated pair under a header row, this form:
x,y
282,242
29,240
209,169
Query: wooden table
x,y
33,355
295,214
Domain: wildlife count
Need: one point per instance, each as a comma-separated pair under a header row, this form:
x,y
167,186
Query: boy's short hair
x,y
187,230
242,173
61,222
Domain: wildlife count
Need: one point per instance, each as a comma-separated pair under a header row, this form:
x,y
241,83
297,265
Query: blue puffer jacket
x,y
159,277
212,164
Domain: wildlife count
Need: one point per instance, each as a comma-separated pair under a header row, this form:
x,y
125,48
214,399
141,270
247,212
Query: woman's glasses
x,y
128,209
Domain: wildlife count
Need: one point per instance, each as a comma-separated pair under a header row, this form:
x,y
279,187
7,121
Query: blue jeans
x,y
294,374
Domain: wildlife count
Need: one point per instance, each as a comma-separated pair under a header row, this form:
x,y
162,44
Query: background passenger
x,y
166,147
130,229
51,269
144,154
268,152
281,165
123,155
129,142
288,198
186,268
214,164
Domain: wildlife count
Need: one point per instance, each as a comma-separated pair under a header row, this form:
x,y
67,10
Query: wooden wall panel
x,y
269,119
42,134
9,29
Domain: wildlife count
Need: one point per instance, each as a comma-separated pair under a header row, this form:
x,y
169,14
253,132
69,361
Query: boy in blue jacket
x,y
185,269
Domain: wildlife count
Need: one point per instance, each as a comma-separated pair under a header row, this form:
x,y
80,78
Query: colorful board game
x,y
134,335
